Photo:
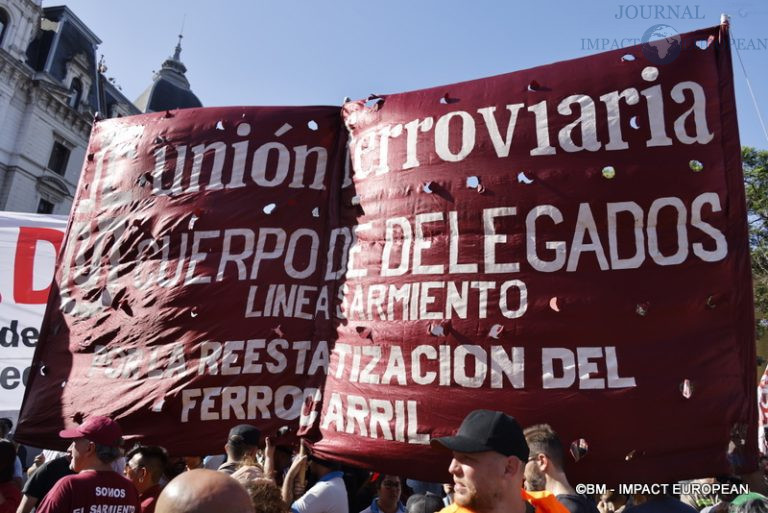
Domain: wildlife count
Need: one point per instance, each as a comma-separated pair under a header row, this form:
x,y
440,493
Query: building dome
x,y
169,88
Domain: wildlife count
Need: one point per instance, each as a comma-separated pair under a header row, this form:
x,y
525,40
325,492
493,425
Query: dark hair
x,y
7,424
152,457
266,496
107,453
380,480
7,458
543,440
236,447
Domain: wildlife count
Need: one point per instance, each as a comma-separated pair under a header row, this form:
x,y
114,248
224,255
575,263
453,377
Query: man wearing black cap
x,y
243,442
489,457
95,487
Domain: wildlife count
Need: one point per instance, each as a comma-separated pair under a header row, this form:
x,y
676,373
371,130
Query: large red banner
x,y
566,243
194,290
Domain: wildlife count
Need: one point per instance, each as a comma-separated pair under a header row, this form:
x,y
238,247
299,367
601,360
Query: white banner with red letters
x,y
29,244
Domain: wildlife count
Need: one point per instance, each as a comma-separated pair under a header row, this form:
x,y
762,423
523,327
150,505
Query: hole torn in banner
x,y
68,306
521,178
436,330
106,298
686,388
446,99
579,449
374,101
650,73
243,129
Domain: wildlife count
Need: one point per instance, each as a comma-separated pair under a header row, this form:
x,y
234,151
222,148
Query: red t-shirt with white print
x,y
92,491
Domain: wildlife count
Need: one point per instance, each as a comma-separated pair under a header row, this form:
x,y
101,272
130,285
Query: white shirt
x,y
328,495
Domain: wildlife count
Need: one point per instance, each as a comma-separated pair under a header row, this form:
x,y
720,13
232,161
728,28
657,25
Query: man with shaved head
x,y
204,491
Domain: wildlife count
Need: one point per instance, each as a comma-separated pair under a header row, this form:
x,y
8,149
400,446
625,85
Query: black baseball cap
x,y
486,430
244,434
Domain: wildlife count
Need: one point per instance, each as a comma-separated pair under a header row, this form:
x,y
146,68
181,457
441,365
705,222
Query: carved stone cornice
x,y
12,70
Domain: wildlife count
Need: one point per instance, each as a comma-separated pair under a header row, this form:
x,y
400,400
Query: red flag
x,y
572,253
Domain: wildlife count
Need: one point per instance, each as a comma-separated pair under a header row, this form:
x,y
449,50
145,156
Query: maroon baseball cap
x,y
101,430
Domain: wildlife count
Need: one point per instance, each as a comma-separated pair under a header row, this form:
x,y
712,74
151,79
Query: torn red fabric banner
x,y
560,243
191,292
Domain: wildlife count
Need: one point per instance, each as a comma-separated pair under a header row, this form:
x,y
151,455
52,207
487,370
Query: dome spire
x,y
170,87
177,52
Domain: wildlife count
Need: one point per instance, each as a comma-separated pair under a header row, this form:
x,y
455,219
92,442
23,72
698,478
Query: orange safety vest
x,y
544,502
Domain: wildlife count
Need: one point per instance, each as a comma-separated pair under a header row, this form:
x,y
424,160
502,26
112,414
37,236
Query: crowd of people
x,y
497,467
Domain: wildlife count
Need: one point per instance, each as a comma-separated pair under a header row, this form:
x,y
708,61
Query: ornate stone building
x,y
51,86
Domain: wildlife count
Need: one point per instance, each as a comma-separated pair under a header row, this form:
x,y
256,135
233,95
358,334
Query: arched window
x,y
3,24
75,93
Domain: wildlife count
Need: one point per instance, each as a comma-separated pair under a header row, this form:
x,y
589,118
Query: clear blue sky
x,y
293,52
